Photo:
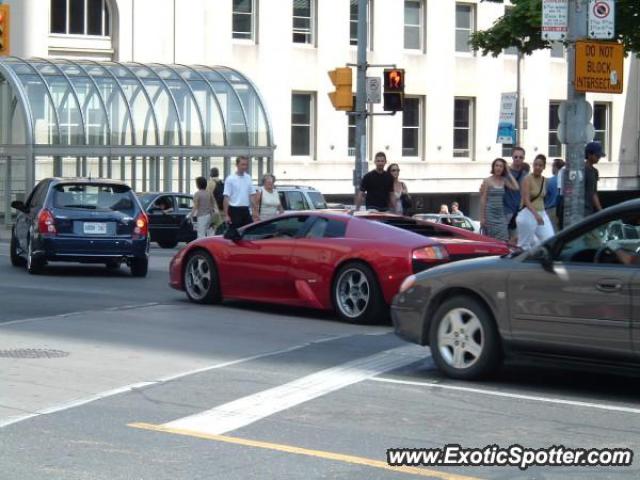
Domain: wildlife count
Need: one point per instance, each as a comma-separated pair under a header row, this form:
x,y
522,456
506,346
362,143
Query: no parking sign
x,y
602,23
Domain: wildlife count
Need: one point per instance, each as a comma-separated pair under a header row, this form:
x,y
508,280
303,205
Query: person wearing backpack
x,y
215,187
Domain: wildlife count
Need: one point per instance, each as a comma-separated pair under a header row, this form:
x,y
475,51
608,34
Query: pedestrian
x,y
240,196
493,221
534,226
551,198
512,197
204,208
560,200
400,192
269,199
455,209
215,186
378,187
592,154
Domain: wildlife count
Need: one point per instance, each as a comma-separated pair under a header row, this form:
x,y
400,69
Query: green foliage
x,y
520,27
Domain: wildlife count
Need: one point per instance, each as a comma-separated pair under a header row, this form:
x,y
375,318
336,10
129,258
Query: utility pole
x,y
517,139
361,107
576,116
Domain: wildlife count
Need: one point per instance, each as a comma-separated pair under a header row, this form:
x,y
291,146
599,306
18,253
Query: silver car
x,y
576,295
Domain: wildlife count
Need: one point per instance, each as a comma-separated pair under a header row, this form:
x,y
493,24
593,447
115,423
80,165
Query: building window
x,y
463,127
557,50
413,15
602,124
411,127
353,24
465,25
244,19
555,147
302,112
351,146
80,17
303,21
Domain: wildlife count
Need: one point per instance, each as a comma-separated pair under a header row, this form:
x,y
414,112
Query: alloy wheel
x,y
353,292
198,277
460,338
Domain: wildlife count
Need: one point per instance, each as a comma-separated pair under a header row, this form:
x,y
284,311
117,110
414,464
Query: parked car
x,y
325,260
449,219
296,198
167,214
576,295
80,220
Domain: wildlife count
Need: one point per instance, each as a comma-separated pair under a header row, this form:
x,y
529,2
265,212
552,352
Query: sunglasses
x,y
519,156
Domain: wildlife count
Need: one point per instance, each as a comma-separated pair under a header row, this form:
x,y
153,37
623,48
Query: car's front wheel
x,y
16,259
201,278
464,340
357,296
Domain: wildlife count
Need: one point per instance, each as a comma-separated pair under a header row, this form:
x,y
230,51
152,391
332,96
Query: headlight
x,y
407,283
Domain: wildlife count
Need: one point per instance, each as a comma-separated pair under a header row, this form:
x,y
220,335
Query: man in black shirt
x,y
592,153
378,186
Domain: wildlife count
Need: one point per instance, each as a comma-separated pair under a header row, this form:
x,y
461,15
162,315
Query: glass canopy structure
x,y
154,126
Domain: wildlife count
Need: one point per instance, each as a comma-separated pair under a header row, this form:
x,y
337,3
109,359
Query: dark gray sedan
x,y
577,295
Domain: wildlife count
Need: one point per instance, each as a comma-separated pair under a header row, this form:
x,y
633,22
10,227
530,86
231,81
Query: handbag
x,y
406,201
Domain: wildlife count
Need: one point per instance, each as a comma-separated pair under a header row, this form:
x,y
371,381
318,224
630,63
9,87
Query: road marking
x,y
247,410
534,398
279,447
134,386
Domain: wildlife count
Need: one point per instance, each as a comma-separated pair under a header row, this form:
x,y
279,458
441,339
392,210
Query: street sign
x,y
602,19
507,121
555,19
374,90
599,67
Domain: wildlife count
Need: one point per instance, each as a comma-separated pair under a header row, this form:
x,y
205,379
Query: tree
x,y
520,27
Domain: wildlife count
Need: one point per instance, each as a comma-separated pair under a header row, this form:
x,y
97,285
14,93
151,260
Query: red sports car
x,y
324,260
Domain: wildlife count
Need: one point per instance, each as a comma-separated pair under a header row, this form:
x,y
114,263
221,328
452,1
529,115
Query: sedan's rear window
x,y
94,197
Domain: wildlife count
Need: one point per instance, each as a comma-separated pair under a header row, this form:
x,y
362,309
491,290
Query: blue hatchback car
x,y
81,220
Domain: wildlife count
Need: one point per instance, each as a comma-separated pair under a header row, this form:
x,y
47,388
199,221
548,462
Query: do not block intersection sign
x,y
599,67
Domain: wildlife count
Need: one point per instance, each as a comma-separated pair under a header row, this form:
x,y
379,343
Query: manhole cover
x,y
32,353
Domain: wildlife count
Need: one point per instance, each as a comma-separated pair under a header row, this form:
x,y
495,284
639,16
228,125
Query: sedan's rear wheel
x,y
356,295
464,339
201,279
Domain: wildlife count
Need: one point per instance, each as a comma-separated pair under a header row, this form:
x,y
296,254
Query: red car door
x,y
257,266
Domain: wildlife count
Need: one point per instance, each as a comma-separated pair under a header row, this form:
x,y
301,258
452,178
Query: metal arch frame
x,y
18,89
235,94
225,130
173,99
147,97
124,96
193,97
49,95
98,93
74,93
267,116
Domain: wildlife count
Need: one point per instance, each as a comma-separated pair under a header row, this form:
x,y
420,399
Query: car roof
x,y
87,180
182,194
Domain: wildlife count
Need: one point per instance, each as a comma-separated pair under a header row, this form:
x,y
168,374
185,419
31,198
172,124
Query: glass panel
x,y
58,16
461,113
411,113
412,38
300,109
462,41
410,142
554,121
94,17
242,6
300,140
107,19
600,116
412,12
463,16
241,26
460,138
76,16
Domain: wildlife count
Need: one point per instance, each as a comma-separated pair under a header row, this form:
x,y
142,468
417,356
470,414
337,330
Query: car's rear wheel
x,y
35,265
16,259
357,297
139,267
464,340
201,279
168,244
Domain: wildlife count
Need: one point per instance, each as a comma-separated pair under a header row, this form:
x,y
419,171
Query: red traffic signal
x,y
393,90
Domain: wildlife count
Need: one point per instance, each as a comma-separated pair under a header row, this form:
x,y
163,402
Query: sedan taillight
x,y
141,226
47,223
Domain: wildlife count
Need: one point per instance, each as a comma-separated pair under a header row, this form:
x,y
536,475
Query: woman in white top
x,y
399,188
269,200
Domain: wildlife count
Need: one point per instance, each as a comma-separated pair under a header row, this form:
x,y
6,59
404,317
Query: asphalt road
x,y
130,381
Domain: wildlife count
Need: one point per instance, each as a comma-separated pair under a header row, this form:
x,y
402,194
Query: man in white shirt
x,y
240,196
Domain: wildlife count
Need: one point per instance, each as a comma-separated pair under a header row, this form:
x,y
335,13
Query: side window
x,y
164,202
185,203
296,201
39,195
324,228
280,228
283,200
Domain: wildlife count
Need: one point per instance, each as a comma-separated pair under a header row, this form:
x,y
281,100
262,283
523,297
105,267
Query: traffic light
x,y
342,98
393,97
4,29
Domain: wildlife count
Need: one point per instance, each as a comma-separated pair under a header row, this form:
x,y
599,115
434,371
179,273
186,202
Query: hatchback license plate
x,y
92,228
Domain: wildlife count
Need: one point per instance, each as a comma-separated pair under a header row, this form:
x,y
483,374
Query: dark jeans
x,y
240,216
560,212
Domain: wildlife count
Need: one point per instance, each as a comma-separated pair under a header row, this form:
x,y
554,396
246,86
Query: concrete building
x,y
444,141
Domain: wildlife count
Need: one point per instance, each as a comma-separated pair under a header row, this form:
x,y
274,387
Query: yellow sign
x,y
599,67
4,29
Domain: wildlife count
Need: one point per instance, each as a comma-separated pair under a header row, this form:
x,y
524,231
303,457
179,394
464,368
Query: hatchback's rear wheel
x,y
139,266
357,296
464,340
201,279
16,259
35,265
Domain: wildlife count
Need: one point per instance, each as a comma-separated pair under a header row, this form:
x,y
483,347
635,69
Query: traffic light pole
x,y
576,119
361,100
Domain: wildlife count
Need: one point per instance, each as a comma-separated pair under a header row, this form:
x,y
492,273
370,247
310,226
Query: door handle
x,y
609,286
